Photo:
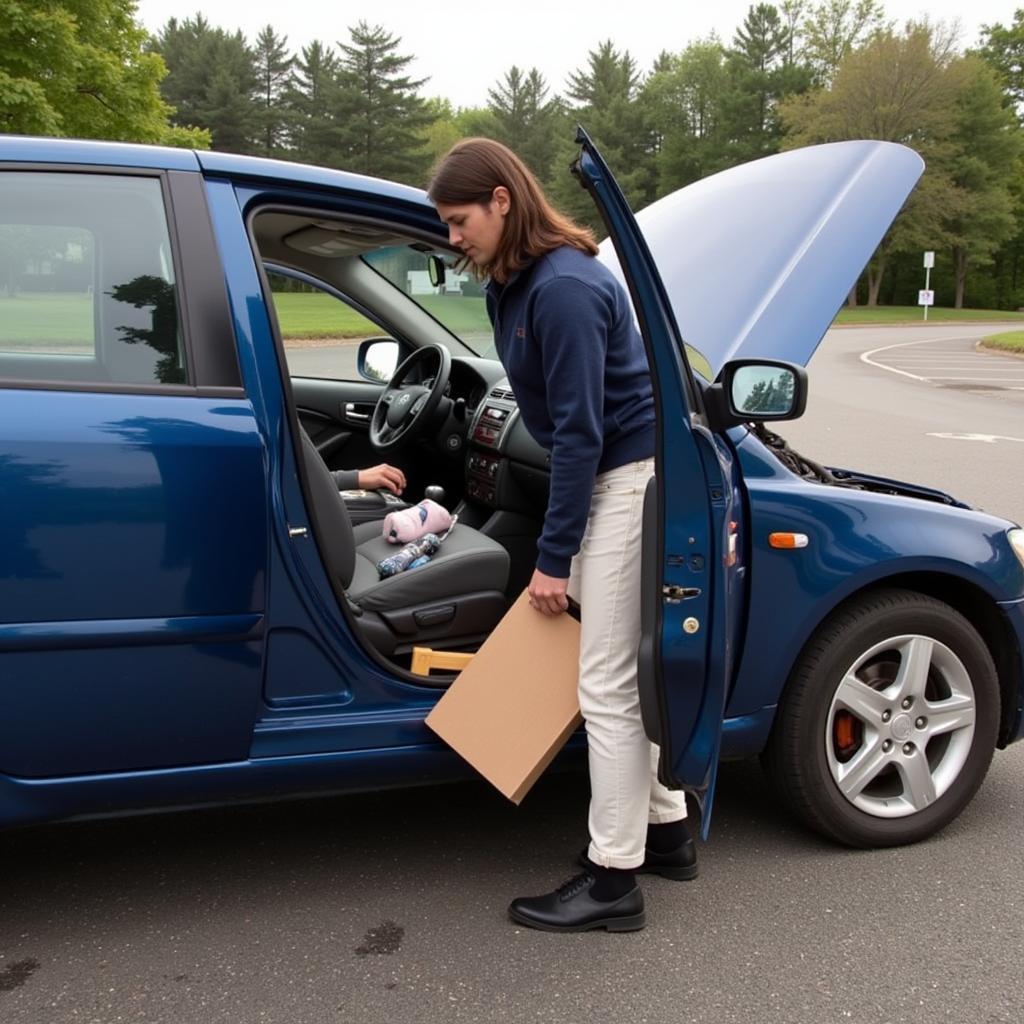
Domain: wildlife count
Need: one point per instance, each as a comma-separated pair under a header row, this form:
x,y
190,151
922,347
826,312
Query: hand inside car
x,y
382,476
548,593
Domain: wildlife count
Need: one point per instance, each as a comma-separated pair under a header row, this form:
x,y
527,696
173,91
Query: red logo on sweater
x,y
520,332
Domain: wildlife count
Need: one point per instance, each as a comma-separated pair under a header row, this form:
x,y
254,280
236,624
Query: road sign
x,y
929,260
926,297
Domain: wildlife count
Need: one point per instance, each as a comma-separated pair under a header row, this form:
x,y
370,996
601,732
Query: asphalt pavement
x,y
391,907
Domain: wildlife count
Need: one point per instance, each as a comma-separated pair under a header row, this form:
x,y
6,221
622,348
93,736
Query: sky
x,y
464,51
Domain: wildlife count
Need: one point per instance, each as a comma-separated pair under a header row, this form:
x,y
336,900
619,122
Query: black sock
x,y
668,836
611,884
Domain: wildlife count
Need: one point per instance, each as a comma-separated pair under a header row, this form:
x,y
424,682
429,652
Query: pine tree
x,y
379,112
525,118
760,75
605,101
273,65
310,97
211,82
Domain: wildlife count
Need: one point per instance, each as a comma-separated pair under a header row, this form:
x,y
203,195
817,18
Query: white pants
x,y
625,793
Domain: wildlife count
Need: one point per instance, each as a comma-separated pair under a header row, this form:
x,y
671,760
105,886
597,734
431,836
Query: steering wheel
x,y
403,410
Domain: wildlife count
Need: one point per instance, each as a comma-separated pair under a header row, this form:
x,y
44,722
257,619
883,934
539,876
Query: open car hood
x,y
757,260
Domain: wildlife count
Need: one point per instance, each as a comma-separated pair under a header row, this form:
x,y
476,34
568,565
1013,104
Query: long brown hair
x,y
470,172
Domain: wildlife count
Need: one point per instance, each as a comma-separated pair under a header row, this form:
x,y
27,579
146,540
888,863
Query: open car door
x,y
686,639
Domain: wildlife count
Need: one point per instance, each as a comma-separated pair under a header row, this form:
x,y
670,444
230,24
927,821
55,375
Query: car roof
x,y
29,149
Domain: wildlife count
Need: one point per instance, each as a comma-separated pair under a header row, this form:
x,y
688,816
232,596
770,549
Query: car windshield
x,y
454,298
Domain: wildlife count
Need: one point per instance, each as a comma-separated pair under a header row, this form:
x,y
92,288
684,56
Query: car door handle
x,y
673,595
358,413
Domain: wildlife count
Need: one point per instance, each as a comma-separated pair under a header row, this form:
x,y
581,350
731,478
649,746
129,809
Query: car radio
x,y
494,417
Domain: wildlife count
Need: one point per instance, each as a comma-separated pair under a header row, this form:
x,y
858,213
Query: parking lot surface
x,y
391,907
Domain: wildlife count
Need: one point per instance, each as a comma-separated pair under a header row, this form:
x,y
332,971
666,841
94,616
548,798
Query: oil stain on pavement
x,y
15,975
382,941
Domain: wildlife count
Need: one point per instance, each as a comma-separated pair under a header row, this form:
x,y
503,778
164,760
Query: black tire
x,y
814,729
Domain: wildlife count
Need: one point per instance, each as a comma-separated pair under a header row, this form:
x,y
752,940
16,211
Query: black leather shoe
x,y
571,908
680,865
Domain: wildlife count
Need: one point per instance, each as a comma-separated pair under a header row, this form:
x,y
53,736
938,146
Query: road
x,y
950,429
391,907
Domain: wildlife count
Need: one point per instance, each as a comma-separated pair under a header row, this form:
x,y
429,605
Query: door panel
x,y
131,580
330,411
133,532
685,641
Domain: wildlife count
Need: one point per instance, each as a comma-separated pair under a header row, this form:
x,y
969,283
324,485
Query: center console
x,y
486,469
364,506
507,477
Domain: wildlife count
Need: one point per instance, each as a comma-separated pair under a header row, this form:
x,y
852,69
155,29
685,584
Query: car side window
x,y
321,332
87,284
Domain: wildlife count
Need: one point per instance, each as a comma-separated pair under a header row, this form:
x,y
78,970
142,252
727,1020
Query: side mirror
x,y
757,390
436,270
377,359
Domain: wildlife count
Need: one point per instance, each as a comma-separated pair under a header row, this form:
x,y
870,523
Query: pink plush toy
x,y
411,523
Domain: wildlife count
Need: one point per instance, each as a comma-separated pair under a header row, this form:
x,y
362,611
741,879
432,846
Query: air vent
x,y
502,393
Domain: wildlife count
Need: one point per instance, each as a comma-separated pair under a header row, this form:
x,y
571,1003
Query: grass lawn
x,y
303,315
914,314
50,321
1012,341
62,322
315,315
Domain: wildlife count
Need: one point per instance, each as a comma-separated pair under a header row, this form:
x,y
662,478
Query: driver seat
x,y
458,597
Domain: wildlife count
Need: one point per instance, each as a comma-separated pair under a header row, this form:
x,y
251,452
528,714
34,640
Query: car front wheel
x,y
888,723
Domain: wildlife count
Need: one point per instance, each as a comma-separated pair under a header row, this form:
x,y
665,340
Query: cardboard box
x,y
513,707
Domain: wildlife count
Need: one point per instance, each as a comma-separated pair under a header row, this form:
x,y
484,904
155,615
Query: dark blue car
x,y
190,610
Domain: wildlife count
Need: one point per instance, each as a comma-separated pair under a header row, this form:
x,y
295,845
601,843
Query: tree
x,y
447,125
211,82
310,97
604,97
760,75
273,64
380,115
525,118
683,101
984,163
1004,49
792,12
834,29
78,68
898,88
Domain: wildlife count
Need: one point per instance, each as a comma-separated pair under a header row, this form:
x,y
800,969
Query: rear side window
x,y
87,285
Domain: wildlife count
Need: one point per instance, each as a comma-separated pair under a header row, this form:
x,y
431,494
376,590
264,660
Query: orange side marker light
x,y
788,540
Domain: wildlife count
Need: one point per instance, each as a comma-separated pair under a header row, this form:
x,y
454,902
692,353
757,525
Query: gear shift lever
x,y
434,493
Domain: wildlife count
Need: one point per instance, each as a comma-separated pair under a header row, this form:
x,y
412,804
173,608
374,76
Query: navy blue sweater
x,y
564,331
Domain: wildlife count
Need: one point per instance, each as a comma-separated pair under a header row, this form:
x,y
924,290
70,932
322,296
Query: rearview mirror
x,y
435,268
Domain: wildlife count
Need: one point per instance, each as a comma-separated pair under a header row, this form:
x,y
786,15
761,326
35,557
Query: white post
x,y
929,262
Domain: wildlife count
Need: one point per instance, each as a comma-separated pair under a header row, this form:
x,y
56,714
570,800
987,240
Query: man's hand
x,y
548,593
382,476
